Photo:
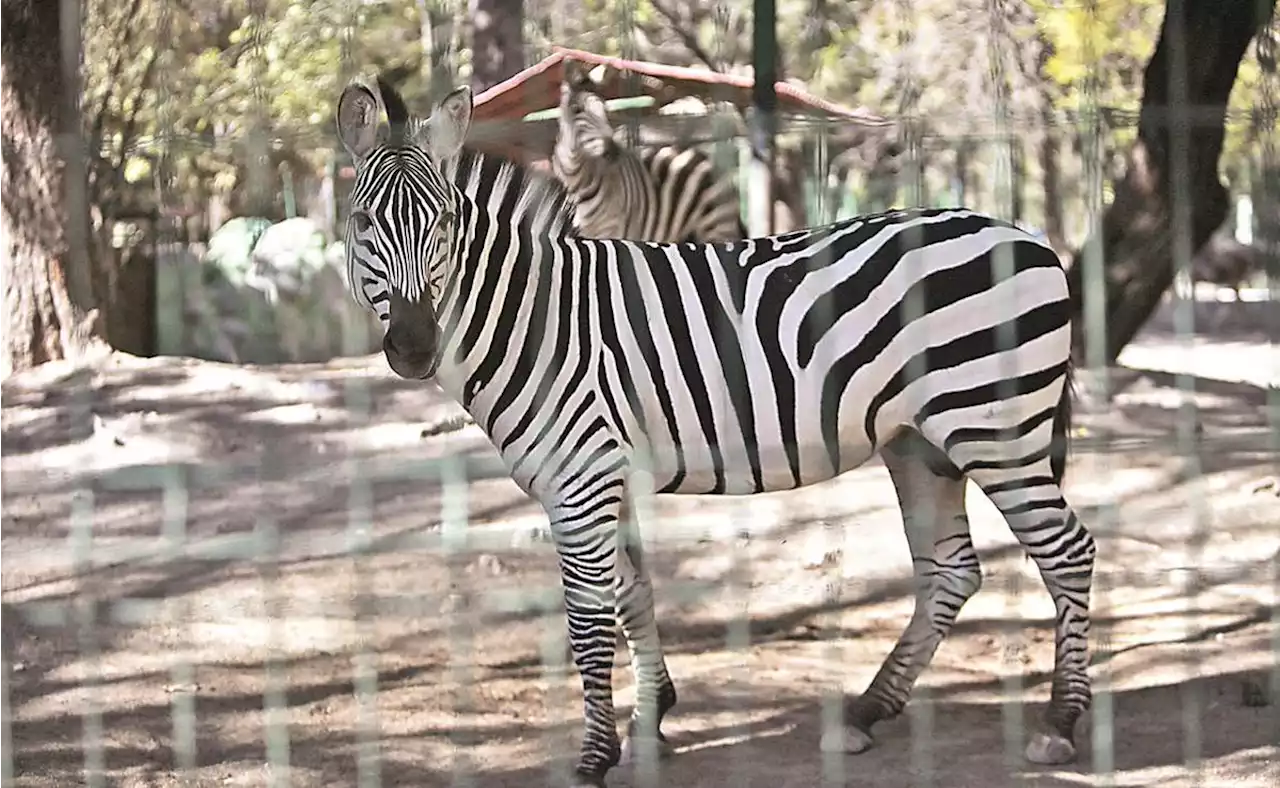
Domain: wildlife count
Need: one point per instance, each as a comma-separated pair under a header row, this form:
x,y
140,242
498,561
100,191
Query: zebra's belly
x,y
769,465
772,440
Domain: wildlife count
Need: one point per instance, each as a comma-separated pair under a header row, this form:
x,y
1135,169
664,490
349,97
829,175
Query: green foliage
x,y
197,90
206,86
1099,54
1099,48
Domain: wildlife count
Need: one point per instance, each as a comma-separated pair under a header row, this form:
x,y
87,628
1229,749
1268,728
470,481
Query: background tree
x,y
195,111
497,41
49,290
1172,183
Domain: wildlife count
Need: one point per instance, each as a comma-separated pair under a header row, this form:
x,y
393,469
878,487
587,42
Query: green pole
x,y
764,104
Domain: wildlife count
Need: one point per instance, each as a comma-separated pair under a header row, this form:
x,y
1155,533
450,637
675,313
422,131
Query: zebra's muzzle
x,y
410,364
411,343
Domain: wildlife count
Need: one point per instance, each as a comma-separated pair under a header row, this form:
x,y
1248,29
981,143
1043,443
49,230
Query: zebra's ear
x,y
593,105
447,127
358,119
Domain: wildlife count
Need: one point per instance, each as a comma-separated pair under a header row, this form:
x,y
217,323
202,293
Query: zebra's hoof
x,y
847,739
1047,749
584,780
632,750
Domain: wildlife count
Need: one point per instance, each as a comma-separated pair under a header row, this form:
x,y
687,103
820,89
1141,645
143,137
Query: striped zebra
x,y
654,193
732,369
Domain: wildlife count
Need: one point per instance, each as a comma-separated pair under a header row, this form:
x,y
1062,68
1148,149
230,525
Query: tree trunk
x,y
1050,168
1209,38
1051,180
497,41
1018,178
49,291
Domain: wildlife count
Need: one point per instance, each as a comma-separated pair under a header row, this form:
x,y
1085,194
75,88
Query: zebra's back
x,y
696,201
775,363
666,194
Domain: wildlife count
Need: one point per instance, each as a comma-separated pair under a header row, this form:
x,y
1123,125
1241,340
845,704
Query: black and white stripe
x,y
654,193
937,338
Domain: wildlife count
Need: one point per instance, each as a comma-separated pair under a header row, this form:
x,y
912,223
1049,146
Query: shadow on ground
x,y
731,730
181,610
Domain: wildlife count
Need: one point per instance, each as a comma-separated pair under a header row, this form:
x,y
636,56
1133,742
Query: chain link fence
x,y
228,573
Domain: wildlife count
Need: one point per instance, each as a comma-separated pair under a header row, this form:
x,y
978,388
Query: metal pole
x,y
764,118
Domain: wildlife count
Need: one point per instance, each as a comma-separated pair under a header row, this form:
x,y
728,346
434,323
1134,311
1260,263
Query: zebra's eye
x,y
361,220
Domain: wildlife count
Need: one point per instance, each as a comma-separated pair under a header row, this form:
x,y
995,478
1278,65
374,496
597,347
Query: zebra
x,y
654,193
604,370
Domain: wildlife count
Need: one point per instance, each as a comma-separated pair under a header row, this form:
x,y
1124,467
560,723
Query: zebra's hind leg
x,y
931,496
1063,551
655,692
1019,464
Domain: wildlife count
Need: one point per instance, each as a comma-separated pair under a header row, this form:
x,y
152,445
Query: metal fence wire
x,y
318,574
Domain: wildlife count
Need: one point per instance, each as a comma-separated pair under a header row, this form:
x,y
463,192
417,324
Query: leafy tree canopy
x,y
195,80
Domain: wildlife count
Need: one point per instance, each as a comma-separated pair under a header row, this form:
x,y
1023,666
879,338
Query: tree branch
x,y
131,123
686,36
122,50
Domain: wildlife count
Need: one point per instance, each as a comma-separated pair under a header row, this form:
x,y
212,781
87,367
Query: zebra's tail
x,y
1059,442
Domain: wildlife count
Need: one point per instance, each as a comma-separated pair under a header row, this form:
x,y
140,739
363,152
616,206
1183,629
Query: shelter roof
x,y
498,124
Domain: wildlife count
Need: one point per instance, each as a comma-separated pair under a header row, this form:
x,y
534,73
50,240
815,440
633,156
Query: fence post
x,y
764,106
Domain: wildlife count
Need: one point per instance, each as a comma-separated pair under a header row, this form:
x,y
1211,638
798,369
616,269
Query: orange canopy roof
x,y
538,88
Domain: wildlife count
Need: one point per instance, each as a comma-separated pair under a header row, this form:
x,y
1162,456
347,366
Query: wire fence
x,y
361,633
314,574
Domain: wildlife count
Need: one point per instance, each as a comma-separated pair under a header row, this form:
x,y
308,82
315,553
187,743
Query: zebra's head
x,y
584,122
402,223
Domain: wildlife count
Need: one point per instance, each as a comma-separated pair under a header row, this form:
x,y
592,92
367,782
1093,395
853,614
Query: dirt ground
x,y
242,576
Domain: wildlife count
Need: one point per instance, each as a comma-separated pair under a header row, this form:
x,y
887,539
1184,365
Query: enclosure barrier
x,y
423,624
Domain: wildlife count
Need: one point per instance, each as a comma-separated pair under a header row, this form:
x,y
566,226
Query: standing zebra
x,y
655,193
732,369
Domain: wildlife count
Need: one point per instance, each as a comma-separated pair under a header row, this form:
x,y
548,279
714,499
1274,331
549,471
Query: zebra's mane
x,y
542,204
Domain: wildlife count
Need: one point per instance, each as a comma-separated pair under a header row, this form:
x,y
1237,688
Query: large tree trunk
x,y
497,43
49,292
1137,228
1050,170
1051,180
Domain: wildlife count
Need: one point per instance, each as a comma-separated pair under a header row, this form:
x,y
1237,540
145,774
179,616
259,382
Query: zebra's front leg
x,y
586,539
655,692
947,573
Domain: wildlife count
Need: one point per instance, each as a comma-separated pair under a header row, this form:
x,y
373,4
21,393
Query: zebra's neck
x,y
509,273
599,191
511,190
